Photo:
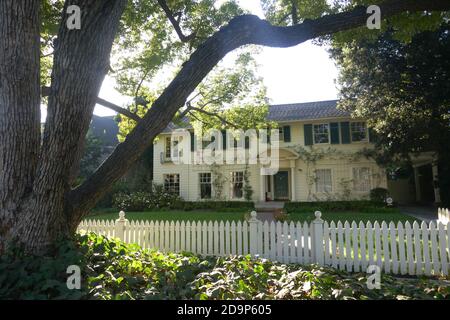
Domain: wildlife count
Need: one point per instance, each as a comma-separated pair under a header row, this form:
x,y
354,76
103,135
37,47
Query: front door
x,y
281,185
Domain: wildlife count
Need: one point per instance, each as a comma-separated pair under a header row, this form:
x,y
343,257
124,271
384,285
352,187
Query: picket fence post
x,y
120,226
253,222
317,245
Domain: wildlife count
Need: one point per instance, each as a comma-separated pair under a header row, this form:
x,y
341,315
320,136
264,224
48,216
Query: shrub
x,y
223,206
280,215
332,206
158,198
111,269
379,195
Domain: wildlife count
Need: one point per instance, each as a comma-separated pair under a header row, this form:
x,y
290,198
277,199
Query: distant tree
x,y
403,89
91,156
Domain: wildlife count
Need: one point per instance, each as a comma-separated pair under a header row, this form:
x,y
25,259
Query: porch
x,y
281,186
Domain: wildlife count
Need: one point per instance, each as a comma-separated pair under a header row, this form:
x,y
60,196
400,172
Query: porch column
x,y
437,192
417,183
262,186
293,191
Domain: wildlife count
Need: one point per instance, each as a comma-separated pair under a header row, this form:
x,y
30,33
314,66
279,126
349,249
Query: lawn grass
x,y
213,215
171,215
393,215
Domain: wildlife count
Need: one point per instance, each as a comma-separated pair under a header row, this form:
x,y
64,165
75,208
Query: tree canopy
x,y
142,38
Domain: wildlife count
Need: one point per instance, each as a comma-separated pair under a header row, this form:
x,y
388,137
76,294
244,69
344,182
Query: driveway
x,y
426,214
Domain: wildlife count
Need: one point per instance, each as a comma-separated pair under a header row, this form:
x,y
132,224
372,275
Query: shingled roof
x,y
293,112
305,111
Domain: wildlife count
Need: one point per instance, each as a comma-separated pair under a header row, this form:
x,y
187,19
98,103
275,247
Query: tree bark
x,y
37,204
19,107
81,61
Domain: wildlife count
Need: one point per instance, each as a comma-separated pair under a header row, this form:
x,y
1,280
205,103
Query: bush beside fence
x,y
407,248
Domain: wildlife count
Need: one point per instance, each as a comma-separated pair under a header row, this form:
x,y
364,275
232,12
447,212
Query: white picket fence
x,y
443,215
407,248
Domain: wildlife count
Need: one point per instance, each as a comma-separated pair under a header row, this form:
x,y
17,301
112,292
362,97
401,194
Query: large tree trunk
x,y
81,61
37,204
19,107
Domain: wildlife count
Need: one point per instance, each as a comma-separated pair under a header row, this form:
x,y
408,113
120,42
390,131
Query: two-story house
x,y
323,155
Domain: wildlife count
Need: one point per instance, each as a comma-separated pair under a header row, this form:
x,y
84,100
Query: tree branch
x,y
45,91
242,30
212,114
175,22
116,108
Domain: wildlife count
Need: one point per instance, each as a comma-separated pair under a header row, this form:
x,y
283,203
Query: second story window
x,y
171,148
168,147
358,131
321,133
281,133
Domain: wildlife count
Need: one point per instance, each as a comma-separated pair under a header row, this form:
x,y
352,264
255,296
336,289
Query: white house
x,y
323,155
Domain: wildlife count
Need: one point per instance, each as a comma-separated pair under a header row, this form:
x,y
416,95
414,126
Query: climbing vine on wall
x,y
311,156
248,190
218,182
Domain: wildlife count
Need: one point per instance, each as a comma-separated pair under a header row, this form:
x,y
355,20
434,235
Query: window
x,y
171,150
322,133
361,179
237,182
205,185
172,183
281,134
358,131
206,142
323,180
168,147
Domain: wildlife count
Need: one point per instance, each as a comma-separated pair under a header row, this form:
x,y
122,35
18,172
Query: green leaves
x,y
113,270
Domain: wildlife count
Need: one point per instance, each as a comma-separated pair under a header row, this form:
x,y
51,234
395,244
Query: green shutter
x,y
224,139
334,129
372,136
192,141
247,142
345,132
287,133
308,134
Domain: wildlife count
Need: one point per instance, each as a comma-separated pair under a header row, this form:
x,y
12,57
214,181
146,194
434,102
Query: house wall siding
x,y
341,168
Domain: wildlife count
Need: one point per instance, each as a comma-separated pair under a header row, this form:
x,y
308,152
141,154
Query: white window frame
x,y
167,147
171,147
357,184
281,134
201,182
321,133
324,190
366,138
173,183
233,182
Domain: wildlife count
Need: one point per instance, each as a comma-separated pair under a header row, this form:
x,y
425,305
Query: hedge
x,y
330,206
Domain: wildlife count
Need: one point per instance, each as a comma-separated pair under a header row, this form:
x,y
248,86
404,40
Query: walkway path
x,y
265,210
426,214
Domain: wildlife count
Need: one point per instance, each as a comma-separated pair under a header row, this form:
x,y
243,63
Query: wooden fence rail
x,y
407,248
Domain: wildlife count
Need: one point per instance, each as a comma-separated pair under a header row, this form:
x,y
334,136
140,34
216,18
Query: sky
x,y
302,73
